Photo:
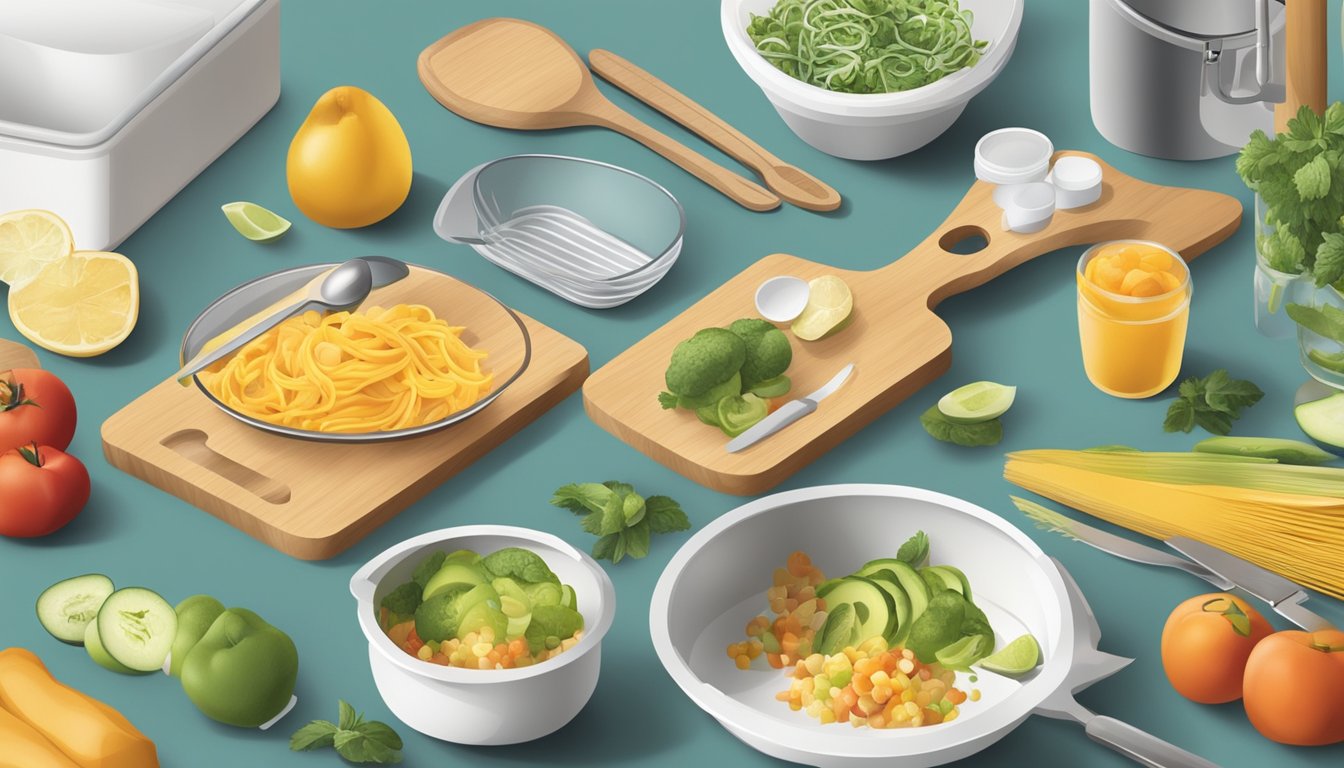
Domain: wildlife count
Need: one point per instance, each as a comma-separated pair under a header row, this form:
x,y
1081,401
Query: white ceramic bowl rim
x,y
956,88
365,582
994,723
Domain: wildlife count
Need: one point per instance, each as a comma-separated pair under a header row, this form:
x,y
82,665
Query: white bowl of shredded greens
x,y
871,79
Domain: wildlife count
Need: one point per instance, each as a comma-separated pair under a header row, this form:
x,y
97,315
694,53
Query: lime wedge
x,y
1016,658
254,222
977,402
829,305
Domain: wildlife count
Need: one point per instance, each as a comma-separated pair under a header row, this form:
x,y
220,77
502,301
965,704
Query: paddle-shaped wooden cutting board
x,y
895,340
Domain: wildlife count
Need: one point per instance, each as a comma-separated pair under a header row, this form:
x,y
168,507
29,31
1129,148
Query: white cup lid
x,y
1013,156
1076,174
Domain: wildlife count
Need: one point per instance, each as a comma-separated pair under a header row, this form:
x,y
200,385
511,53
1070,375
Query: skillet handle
x,y
1140,746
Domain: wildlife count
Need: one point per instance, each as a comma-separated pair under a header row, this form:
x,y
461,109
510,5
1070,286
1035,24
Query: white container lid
x,y
1013,156
1076,174
74,72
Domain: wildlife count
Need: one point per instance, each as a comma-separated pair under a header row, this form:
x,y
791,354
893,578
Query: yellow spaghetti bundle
x,y
1288,519
371,371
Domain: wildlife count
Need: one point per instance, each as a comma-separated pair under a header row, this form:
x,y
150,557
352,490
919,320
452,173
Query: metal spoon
x,y
343,287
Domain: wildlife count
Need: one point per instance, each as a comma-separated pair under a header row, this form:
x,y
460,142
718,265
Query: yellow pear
x,y
350,164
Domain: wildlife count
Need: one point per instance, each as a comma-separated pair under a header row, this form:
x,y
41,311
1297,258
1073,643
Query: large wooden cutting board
x,y
308,499
895,340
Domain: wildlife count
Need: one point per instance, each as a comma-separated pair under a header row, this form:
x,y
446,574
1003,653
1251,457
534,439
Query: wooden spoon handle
x,y
747,194
1305,57
788,181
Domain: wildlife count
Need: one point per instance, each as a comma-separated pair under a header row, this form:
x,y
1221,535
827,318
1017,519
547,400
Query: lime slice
x,y
254,222
829,305
1016,658
977,402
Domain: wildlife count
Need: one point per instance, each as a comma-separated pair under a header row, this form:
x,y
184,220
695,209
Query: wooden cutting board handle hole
x,y
964,240
190,444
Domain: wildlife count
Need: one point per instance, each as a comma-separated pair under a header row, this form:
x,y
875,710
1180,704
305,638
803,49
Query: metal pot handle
x,y
1268,92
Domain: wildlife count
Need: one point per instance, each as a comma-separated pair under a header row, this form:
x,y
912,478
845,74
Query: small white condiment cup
x,y
782,299
1077,182
1013,156
1026,208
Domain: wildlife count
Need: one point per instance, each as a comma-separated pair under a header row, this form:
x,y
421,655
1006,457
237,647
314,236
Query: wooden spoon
x,y
1304,59
515,74
788,181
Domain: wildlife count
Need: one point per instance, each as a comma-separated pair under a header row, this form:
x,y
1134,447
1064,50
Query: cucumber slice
x,y
94,645
137,628
567,597
977,402
507,587
67,607
886,580
1323,420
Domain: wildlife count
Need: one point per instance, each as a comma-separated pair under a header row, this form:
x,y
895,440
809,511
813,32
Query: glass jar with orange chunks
x,y
1133,309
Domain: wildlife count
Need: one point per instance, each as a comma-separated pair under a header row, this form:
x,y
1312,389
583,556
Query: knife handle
x,y
1140,746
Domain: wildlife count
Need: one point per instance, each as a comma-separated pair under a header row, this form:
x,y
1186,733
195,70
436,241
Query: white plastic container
x,y
1077,182
486,707
109,107
716,583
874,126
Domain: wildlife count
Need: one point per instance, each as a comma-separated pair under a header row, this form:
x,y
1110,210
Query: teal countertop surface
x,y
1020,329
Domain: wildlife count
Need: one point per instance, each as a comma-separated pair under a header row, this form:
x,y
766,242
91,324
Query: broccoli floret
x,y
403,600
768,353
707,359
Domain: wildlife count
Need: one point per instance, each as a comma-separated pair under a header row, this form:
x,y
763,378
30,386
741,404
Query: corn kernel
x,y
425,653
482,663
481,649
908,695
814,663
950,716
827,717
906,666
975,694
881,694
742,661
868,705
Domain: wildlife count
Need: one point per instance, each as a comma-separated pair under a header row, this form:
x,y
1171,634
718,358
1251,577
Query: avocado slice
x,y
887,580
874,610
908,579
453,573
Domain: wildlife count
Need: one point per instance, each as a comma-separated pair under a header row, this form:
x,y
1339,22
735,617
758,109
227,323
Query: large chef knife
x,y
1285,596
789,413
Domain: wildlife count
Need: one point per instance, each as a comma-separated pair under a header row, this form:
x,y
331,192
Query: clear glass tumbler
x,y
1273,289
1323,355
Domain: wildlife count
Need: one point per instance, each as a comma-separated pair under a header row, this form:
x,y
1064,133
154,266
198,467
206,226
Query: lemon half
x,y
30,240
80,306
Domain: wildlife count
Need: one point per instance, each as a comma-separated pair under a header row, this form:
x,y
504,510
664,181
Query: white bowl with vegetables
x,y
856,535
866,86
513,621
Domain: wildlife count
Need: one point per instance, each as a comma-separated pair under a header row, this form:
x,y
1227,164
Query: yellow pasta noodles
x,y
371,371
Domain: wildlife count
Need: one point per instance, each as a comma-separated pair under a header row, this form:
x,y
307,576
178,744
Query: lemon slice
x,y
29,240
254,222
829,306
1016,658
977,402
80,306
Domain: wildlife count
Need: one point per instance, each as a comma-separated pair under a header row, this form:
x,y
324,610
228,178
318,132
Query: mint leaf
x,y
1313,179
1329,267
381,733
613,516
668,400
1259,153
358,748
915,550
605,547
1282,251
318,734
1180,416
1215,422
581,498
1227,395
592,522
618,548
665,515
637,539
968,435
1334,119
349,717
619,488
1324,321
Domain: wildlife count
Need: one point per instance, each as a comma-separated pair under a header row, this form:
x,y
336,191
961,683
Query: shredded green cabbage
x,y
867,46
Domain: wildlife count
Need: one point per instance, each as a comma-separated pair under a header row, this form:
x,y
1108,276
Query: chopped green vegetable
x,y
938,627
355,739
428,567
1212,402
1296,175
775,387
1325,320
768,351
968,435
623,520
520,565
866,46
915,550
709,358
551,621
403,600
739,413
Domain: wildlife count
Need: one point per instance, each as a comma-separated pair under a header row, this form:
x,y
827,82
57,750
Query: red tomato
x,y
35,407
1295,687
41,489
1205,644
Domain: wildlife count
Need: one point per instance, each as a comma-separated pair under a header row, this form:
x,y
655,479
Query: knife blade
x,y
1284,596
789,413
1115,545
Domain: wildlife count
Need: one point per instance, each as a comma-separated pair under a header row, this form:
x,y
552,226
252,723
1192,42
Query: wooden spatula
x,y
511,73
896,342
788,181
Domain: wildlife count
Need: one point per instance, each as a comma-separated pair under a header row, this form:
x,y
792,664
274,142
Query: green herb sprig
x,y
969,435
354,738
623,520
1213,402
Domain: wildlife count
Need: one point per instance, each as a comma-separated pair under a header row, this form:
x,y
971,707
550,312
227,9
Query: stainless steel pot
x,y
1185,79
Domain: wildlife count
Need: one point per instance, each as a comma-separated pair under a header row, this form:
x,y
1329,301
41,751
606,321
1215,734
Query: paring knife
x,y
789,413
1285,596
1115,545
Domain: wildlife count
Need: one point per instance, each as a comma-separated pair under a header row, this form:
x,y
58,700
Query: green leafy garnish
x,y
915,550
1325,320
622,520
520,565
969,435
403,600
354,738
1299,174
866,46
1212,403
